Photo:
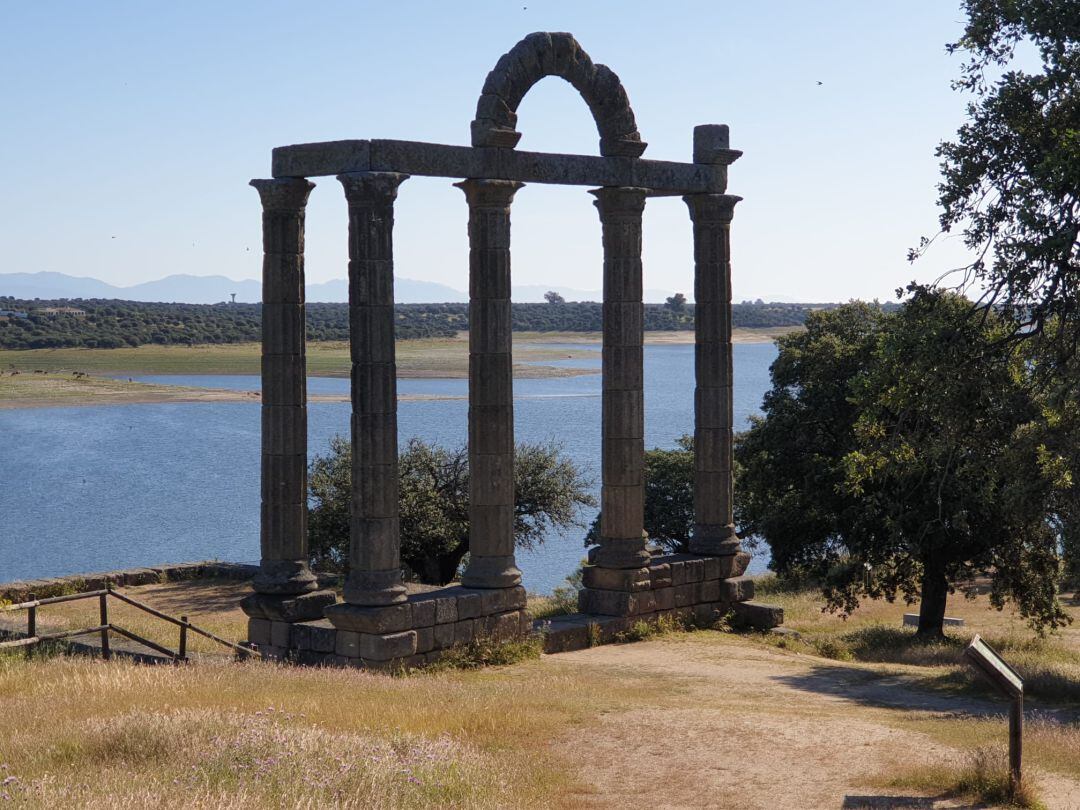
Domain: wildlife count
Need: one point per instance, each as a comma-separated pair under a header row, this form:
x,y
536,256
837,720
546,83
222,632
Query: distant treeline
x,y
107,324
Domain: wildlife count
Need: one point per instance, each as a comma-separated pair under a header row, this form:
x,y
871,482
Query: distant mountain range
x,y
189,289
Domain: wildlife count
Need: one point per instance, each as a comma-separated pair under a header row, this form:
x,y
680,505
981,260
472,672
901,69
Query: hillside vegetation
x,y
112,324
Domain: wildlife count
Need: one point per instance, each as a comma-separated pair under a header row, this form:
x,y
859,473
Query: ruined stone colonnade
x,y
377,622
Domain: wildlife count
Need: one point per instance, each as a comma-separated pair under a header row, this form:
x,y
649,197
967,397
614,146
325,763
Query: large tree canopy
x,y
903,453
1011,177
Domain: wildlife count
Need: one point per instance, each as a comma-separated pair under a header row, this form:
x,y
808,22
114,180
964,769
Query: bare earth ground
x,y
727,721
760,729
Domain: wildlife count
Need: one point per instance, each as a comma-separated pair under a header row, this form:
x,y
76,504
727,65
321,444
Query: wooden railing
x,y
104,626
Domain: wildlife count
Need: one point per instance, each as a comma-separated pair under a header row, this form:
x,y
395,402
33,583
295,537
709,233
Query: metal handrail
x,y
105,626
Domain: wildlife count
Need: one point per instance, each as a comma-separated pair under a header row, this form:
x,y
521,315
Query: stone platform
x,y
409,634
688,588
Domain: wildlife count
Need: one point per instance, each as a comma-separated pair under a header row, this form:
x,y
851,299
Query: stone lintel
x,y
660,177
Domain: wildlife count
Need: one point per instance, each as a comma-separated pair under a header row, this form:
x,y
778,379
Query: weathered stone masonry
x,y
626,581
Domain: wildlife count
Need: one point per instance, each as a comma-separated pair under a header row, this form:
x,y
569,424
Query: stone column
x,y
714,526
283,569
491,387
622,496
374,531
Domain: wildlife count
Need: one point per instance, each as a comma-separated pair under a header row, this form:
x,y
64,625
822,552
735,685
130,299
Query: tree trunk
x,y
440,569
935,592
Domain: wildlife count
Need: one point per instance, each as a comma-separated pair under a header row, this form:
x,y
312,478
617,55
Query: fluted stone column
x,y
491,387
622,496
714,526
283,569
374,528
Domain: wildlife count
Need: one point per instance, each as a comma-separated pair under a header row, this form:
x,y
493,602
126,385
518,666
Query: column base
x,y
285,608
375,588
620,554
492,572
283,577
715,541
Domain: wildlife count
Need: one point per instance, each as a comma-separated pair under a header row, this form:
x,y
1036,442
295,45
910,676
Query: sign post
x,y
1009,684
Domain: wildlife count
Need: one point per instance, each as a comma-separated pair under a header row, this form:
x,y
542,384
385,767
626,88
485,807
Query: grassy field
x,y
444,357
29,389
441,357
626,725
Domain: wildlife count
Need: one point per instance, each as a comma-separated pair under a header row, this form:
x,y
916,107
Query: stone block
x,y
375,620
141,576
733,565
493,601
612,603
388,646
678,572
337,660
444,636
470,604
707,614
301,608
465,631
695,570
300,638
259,632
323,636
685,594
660,576
425,639
347,644
709,590
737,589
281,634
423,612
616,579
665,598
563,634
516,598
505,626
757,615
446,610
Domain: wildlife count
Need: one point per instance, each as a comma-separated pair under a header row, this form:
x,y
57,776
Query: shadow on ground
x,y
883,691
853,802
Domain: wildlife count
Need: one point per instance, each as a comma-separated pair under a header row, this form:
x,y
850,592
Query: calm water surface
x,y
116,486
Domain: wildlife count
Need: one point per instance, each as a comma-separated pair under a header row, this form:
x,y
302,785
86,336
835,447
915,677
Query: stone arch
x,y
555,54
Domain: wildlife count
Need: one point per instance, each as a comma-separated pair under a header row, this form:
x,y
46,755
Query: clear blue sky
x,y
144,121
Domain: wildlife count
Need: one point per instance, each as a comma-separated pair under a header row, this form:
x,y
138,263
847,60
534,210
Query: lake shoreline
x,y
49,378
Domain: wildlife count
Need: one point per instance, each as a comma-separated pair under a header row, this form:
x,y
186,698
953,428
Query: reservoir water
x,y
94,488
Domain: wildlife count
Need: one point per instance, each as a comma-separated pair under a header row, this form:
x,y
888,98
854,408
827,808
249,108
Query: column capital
x,y
376,188
489,193
283,194
711,207
619,201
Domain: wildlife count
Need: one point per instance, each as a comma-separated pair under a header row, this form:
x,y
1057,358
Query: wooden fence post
x,y
181,654
103,604
31,617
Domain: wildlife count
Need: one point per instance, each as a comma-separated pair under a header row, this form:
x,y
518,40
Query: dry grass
x,y
982,776
262,735
1050,666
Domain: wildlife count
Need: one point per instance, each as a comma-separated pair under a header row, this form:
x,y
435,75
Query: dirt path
x,y
828,731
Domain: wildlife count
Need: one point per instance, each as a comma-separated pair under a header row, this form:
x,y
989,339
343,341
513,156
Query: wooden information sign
x,y
1009,683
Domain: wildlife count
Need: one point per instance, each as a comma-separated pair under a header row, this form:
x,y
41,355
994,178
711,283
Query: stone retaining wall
x,y
20,590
